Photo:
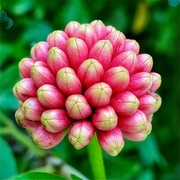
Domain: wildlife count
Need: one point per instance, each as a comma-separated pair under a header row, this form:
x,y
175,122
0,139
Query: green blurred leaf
x,y
75,177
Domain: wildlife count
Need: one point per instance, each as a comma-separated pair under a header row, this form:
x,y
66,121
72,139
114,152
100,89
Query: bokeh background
x,y
154,24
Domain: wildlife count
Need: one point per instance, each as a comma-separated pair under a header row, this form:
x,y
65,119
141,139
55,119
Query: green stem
x,y
96,159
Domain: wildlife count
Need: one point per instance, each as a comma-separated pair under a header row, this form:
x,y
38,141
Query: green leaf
x,y
75,177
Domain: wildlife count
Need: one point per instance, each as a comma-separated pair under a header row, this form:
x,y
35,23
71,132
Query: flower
x,y
88,79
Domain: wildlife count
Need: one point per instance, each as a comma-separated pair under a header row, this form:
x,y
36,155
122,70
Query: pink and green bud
x,y
126,59
99,94
140,83
57,59
90,72
132,45
55,120
77,107
25,66
117,78
156,81
32,109
68,82
102,51
50,96
81,133
105,118
57,39
150,117
125,103
111,141
134,123
149,103
76,51
71,27
39,51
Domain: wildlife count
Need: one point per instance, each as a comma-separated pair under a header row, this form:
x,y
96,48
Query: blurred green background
x,y
154,24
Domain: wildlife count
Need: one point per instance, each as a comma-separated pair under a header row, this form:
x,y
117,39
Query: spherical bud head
x,y
90,72
105,118
55,120
127,59
134,123
98,95
25,66
132,45
125,103
150,103
71,27
24,89
156,81
32,109
68,82
56,59
117,78
102,51
41,75
81,133
50,96
111,141
76,51
39,51
140,83
57,39
77,107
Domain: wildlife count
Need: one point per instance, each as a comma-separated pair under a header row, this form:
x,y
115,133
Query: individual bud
x,y
55,120
39,51
68,82
32,109
126,59
102,51
25,66
57,59
140,83
24,89
149,102
125,103
117,78
132,45
90,72
105,118
71,27
99,94
76,51
149,117
81,133
134,123
77,107
50,96
110,29
156,81
57,39
144,63
111,141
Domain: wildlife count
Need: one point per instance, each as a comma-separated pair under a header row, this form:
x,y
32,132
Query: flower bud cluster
x,y
84,80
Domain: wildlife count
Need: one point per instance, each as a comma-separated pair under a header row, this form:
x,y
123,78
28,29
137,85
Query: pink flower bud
x,y
41,74
77,52
39,51
117,78
110,29
25,66
57,59
126,59
125,103
57,39
132,45
149,102
102,51
156,81
55,120
32,109
105,118
111,141
99,94
50,96
81,133
24,89
68,81
134,123
71,27
140,83
149,117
